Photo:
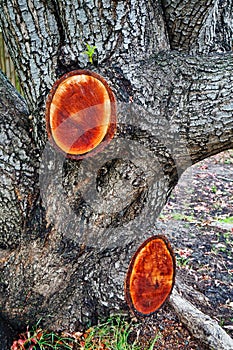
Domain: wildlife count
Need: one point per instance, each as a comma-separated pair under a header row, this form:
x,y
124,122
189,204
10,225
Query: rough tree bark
x,y
69,228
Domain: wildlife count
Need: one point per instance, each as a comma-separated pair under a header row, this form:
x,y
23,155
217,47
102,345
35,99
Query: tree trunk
x,y
69,228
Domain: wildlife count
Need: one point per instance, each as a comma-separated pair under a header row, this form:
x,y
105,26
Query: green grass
x,y
182,217
39,339
182,262
114,334
214,189
228,220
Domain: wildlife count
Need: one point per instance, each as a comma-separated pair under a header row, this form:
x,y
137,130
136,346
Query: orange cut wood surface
x,y
80,112
150,277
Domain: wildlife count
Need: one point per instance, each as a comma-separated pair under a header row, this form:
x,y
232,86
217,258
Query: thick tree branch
x,y
199,26
83,22
122,31
31,33
37,33
192,95
18,162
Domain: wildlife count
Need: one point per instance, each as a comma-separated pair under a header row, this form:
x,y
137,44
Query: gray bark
x,y
68,228
19,163
199,27
122,31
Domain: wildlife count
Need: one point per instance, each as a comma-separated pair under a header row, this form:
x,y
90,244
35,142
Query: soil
x,y
198,222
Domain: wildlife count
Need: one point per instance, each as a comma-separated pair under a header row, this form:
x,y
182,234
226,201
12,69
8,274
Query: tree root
x,y
201,326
